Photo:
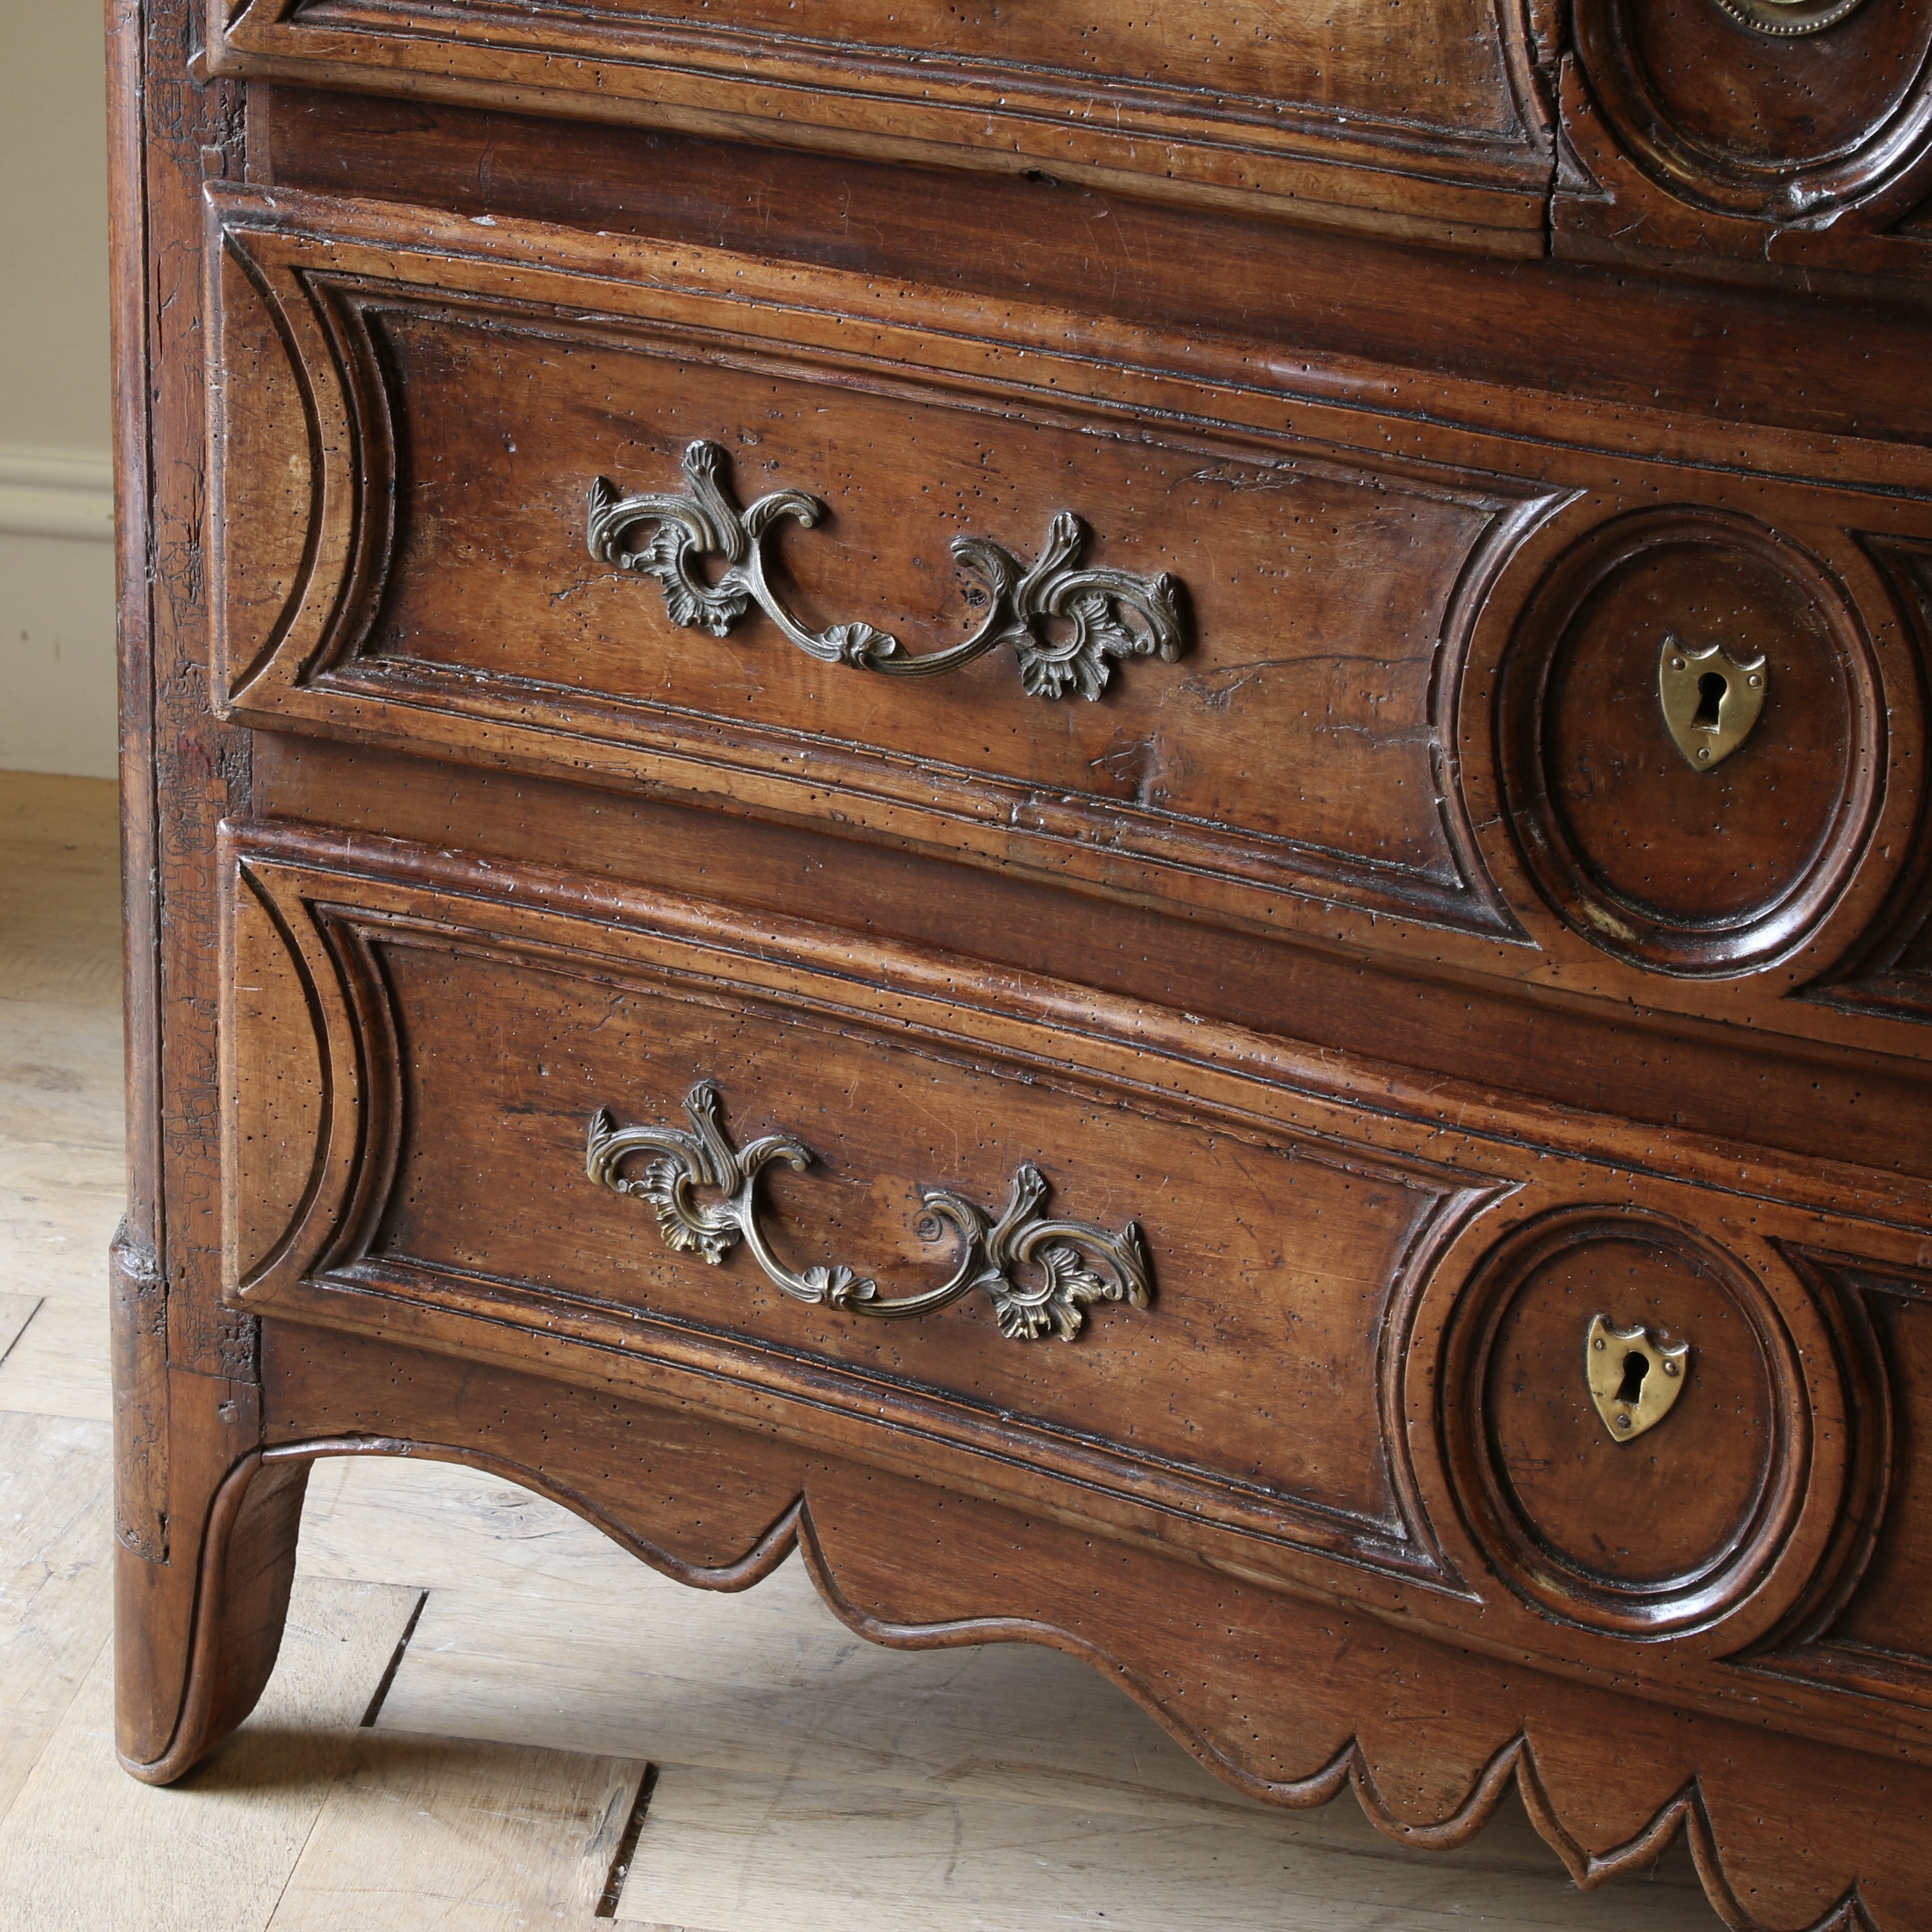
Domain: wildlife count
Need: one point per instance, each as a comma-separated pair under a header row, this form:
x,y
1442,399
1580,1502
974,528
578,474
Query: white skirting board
x,y
56,612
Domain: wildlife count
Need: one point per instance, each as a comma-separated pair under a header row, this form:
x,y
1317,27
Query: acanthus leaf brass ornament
x,y
1069,1265
1711,700
1788,18
1634,1381
1104,613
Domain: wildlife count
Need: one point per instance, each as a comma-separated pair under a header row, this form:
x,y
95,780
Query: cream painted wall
x,y
56,553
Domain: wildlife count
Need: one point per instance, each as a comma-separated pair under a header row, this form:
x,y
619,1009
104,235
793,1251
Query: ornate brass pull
x,y
1634,1382
1060,1256
1786,18
1710,701
1106,614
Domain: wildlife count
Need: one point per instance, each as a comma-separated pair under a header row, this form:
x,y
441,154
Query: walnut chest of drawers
x,y
1119,811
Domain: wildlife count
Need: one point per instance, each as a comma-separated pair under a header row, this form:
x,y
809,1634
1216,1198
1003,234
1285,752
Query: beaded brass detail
x,y
1786,18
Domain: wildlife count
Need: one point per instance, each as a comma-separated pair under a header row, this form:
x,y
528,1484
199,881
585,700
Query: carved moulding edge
x,y
348,417
1281,150
1802,1646
1873,976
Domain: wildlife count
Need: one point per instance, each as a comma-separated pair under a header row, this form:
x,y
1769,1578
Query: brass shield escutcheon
x,y
1634,1381
1711,701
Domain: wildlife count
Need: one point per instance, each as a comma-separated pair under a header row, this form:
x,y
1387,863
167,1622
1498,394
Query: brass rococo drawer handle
x,y
1105,614
1068,1264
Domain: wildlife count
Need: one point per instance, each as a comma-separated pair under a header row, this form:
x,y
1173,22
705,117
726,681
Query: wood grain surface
x,y
766,655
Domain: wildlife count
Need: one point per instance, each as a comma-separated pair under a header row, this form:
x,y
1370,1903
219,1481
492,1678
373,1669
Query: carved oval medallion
x,y
1643,1536
1784,110
1709,869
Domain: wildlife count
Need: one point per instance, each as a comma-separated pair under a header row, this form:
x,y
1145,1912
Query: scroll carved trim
x,y
1107,613
1069,1265
1513,1764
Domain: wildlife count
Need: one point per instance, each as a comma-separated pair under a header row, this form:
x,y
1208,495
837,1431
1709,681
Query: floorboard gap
x,y
13,1340
627,1846
374,1710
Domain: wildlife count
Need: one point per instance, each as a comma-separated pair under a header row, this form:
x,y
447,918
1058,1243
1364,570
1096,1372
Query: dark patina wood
x,y
1318,1045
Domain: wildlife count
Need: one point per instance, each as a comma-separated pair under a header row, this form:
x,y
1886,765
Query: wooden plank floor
x,y
565,1739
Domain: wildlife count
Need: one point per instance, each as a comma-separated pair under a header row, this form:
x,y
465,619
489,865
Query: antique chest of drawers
x,y
1121,811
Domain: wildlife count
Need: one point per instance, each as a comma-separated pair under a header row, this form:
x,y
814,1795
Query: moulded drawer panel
x,y
1171,1279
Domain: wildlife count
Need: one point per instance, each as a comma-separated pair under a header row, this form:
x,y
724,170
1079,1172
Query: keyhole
x,y
1635,1366
1711,689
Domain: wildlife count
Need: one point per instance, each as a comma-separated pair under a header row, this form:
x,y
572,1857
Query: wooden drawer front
x,y
414,555
1404,670
1429,120
1211,1297
449,1173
